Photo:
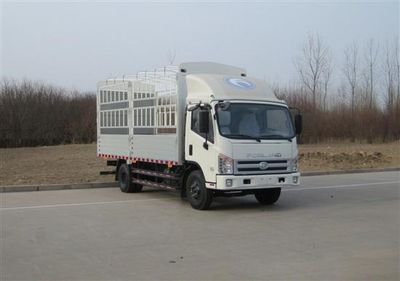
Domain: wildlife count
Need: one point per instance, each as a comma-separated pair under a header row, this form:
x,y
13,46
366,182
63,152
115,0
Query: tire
x,y
268,196
198,195
125,180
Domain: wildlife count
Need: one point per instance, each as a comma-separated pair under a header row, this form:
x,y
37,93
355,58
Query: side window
x,y
195,125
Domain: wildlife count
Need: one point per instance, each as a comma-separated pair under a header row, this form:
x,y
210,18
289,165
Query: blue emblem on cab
x,y
240,83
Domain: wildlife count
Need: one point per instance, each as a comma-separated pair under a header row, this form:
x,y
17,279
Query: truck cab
x,y
240,135
228,135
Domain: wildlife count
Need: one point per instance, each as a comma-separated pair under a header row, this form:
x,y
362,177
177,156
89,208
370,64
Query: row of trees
x,y
357,100
33,113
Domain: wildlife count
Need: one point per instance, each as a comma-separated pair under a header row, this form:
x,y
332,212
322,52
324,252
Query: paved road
x,y
343,227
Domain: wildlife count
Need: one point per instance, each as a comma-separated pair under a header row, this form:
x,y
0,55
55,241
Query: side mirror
x,y
203,121
298,123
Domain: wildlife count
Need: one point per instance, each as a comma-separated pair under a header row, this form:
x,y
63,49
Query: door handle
x,y
190,149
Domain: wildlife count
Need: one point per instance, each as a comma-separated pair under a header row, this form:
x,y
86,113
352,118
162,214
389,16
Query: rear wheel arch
x,y
119,163
125,180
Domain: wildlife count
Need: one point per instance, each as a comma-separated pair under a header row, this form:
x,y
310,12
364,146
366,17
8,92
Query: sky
x,y
76,44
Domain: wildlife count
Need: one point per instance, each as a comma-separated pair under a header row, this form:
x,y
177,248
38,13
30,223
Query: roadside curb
x,y
45,187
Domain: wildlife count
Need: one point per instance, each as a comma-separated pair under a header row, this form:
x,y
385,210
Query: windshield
x,y
254,121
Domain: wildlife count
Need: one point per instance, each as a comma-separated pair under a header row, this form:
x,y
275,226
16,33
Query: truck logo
x,y
263,165
240,83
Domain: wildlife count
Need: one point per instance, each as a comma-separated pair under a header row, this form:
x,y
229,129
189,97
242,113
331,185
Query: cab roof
x,y
209,87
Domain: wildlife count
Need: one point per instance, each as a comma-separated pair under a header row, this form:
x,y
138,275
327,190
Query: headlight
x,y
293,165
225,164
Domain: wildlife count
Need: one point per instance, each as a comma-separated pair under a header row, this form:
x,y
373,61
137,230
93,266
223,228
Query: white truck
x,y
202,128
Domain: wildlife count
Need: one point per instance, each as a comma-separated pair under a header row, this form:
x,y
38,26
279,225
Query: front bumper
x,y
244,182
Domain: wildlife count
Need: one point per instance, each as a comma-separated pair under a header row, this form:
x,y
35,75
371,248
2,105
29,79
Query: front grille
x,y
254,166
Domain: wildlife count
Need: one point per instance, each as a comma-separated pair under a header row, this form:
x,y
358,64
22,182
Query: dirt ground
x,y
79,164
51,165
344,156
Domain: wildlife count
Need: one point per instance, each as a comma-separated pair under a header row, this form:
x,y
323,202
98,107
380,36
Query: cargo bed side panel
x,y
156,147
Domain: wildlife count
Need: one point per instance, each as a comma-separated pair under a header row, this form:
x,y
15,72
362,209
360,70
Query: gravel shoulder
x,y
78,163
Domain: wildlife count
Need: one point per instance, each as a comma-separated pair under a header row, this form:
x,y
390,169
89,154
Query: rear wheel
x,y
198,195
125,180
267,196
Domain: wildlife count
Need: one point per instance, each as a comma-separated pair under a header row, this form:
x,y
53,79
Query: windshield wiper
x,y
245,136
277,137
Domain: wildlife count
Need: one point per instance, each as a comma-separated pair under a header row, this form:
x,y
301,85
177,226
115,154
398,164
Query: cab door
x,y
197,151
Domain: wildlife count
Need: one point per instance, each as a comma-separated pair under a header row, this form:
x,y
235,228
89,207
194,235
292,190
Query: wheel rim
x,y
195,190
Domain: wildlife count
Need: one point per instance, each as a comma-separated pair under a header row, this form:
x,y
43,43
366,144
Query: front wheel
x,y
268,196
198,195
